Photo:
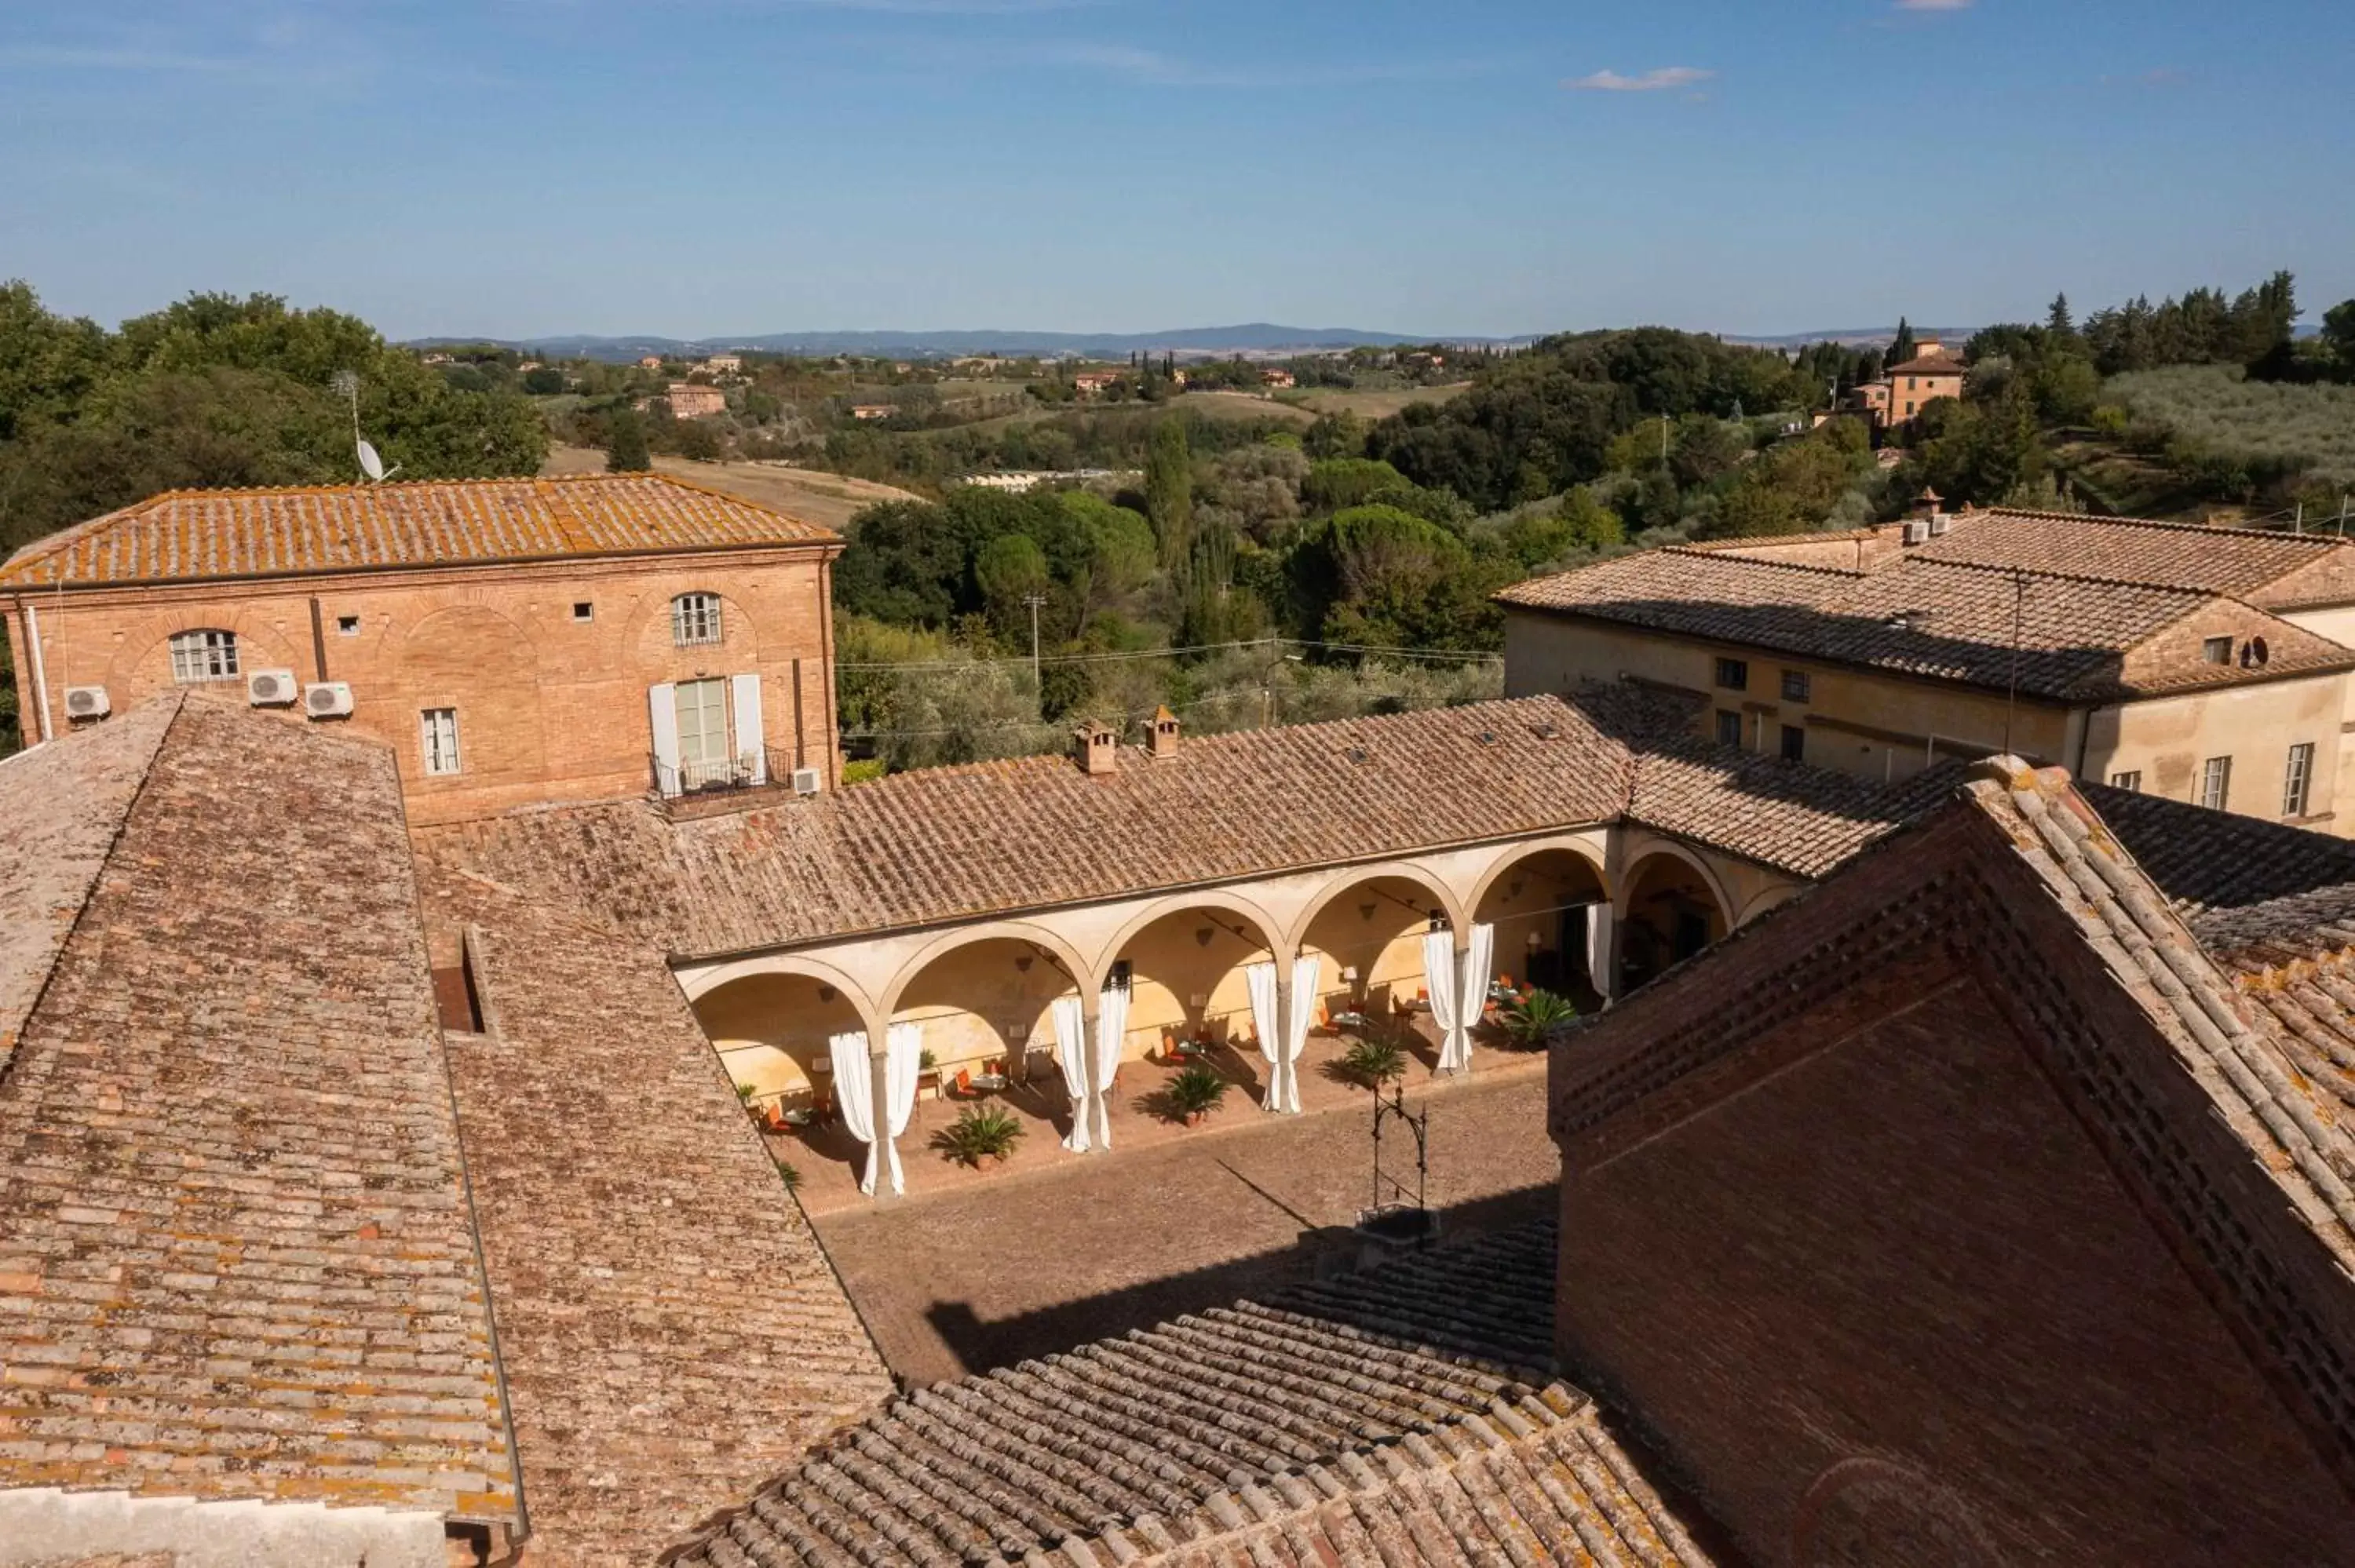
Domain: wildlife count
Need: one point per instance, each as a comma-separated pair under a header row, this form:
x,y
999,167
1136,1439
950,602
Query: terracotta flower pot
x,y
1196,1119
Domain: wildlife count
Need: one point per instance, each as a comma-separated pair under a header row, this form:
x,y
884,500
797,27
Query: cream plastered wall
x,y
1857,721
2168,740
550,707
2338,623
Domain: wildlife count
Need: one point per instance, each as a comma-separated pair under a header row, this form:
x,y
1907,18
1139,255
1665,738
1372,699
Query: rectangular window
x,y
1794,744
702,728
204,656
2216,783
2217,649
584,612
438,729
1733,674
2298,782
2130,781
1797,686
1728,728
347,626
695,619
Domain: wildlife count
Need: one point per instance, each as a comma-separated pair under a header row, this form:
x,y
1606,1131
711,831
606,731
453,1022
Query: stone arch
x,y
771,1019
647,630
1187,974
1456,910
1550,902
1864,1510
1665,919
983,993
481,663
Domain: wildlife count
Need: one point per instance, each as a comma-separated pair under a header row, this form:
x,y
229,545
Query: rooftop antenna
x,y
348,386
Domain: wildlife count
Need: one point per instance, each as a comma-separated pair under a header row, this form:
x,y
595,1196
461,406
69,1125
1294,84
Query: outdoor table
x,y
988,1082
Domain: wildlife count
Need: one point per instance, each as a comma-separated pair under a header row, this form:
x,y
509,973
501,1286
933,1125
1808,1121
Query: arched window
x,y
204,656
695,619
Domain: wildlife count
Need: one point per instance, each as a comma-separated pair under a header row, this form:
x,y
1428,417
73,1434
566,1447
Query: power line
x,y
1433,655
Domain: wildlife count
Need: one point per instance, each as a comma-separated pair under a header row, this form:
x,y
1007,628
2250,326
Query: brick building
x,y
1989,1202
2203,664
515,642
690,401
1905,390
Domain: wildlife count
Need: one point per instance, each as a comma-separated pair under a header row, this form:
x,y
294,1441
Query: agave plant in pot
x,y
1532,1022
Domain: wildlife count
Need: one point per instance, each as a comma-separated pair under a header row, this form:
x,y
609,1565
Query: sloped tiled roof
x,y
1933,619
671,1332
235,1255
951,844
1928,364
2240,562
190,535
1383,1420
60,809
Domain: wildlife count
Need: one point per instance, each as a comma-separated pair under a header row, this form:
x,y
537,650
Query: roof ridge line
x,y
1994,569
1686,549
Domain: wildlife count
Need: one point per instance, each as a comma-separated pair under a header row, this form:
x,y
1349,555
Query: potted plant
x,y
979,1133
1195,1091
1373,1063
744,1092
928,1074
1532,1022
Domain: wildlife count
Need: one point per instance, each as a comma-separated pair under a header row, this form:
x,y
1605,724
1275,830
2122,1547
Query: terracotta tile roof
x,y
186,536
1938,619
671,1331
235,1257
1387,1420
60,809
1929,365
2240,562
953,843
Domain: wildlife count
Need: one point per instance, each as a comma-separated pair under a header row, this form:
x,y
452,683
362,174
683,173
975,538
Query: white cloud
x,y
1665,79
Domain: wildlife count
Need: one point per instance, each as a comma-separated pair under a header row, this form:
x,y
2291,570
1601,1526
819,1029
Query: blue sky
x,y
701,167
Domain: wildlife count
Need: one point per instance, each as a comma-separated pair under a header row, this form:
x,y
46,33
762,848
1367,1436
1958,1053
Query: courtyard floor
x,y
977,1269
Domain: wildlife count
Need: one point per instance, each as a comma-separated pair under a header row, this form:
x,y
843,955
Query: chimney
x,y
1164,742
1929,504
1095,746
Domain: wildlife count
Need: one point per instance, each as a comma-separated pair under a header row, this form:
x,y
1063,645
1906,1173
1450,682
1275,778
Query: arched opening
x,y
983,1007
773,1033
1550,913
1671,913
1184,973
1367,937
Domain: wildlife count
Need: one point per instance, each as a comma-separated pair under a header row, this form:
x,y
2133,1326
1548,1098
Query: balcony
x,y
749,770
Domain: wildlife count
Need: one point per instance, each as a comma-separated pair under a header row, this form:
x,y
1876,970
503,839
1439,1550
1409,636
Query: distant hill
x,y
1251,338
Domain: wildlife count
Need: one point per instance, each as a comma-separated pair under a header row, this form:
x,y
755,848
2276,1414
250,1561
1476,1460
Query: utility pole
x,y
1034,600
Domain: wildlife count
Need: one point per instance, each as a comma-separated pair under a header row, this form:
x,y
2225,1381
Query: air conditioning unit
x,y
327,699
807,781
272,688
1915,532
87,702
1938,523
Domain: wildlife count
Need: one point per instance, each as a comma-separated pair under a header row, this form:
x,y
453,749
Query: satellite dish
x,y
373,465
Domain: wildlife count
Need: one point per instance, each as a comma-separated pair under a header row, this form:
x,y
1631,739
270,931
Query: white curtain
x,y
1260,980
1070,1031
1112,1033
1296,1029
1599,968
1439,980
1473,999
904,1053
853,1095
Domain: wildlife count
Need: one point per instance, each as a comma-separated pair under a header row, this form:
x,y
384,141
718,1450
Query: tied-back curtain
x,y
1071,1037
1296,1029
1112,1033
1472,1000
904,1057
1439,980
853,1095
1260,980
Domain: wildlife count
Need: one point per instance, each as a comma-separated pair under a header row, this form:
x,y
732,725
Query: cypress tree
x,y
626,444
1902,349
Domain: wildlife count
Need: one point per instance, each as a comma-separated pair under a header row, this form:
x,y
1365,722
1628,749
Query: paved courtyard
x,y
978,1270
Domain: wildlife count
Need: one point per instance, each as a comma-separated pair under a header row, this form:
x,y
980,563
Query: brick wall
x,y
1871,1288
551,707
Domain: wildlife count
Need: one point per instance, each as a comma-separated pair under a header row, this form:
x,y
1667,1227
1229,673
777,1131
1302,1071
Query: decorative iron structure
x,y
1392,1198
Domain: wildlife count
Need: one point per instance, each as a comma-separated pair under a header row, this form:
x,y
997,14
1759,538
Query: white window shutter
x,y
662,715
751,745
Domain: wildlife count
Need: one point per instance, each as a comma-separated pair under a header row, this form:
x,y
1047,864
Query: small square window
x,y
1794,744
584,610
1728,728
2130,781
347,626
1796,685
2217,649
1733,674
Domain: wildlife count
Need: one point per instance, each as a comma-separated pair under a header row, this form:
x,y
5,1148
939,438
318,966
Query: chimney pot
x,y
1095,746
1164,740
